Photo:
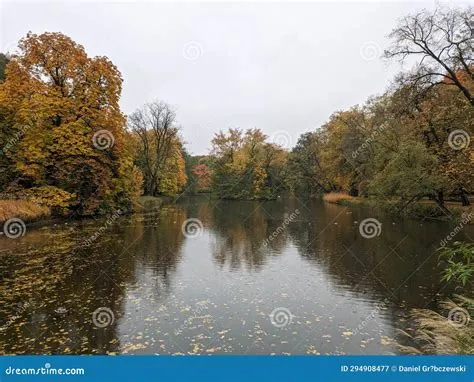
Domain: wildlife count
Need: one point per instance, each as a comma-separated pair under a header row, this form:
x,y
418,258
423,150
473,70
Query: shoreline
x,y
36,215
423,209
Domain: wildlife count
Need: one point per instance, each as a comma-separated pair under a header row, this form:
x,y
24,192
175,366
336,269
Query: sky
x,y
283,67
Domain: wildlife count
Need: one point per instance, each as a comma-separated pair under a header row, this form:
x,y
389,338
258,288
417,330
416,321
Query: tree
x,y
245,166
443,42
3,63
343,136
442,115
229,166
305,166
460,262
159,148
203,177
409,175
65,124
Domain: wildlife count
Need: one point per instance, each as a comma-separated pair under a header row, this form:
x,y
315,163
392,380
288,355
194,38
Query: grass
x,y
22,209
338,198
437,334
28,211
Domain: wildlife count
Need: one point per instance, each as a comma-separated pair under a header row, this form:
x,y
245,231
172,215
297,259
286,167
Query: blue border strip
x,y
237,368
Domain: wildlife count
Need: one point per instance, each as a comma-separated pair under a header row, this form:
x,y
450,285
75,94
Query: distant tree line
x,y
412,142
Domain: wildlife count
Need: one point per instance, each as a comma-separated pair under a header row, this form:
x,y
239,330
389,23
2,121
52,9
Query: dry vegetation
x,y
22,209
338,197
437,334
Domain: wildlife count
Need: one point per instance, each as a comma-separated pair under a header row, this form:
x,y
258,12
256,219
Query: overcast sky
x,y
281,67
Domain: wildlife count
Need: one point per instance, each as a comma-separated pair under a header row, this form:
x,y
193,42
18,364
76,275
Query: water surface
x,y
318,287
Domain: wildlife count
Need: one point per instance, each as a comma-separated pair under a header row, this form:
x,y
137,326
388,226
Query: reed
x,y
22,209
337,197
435,333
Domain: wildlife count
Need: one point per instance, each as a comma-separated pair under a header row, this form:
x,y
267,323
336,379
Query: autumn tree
x,y
305,168
159,148
203,176
245,166
412,142
228,164
392,149
3,64
442,42
64,125
344,155
442,116
7,169
409,175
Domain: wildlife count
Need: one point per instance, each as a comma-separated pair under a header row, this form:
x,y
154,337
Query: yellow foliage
x,y
49,196
61,99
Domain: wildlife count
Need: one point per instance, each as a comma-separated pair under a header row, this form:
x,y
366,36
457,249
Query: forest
x,y
68,149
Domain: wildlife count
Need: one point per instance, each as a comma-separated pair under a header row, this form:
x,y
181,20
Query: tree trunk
x,y
440,203
441,197
354,191
464,199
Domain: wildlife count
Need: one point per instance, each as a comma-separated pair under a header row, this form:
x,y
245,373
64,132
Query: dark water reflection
x,y
337,292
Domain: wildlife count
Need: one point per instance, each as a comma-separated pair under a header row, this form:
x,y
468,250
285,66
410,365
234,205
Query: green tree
x,y
409,175
3,64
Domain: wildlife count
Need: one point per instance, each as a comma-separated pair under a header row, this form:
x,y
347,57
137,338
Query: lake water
x,y
282,277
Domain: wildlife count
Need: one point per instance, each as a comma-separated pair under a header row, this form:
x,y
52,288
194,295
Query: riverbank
x,y
423,209
30,212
